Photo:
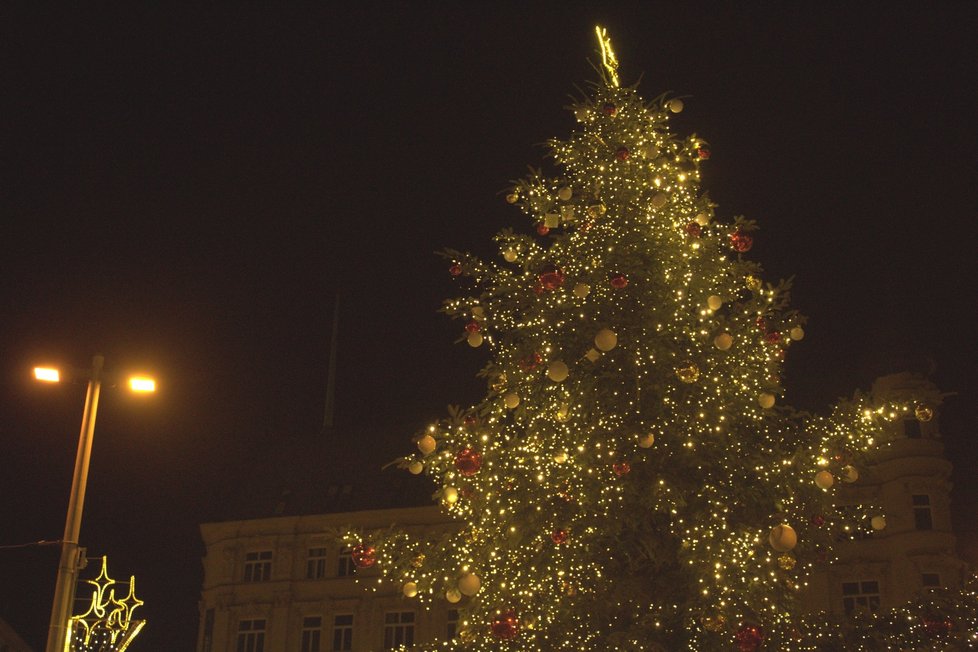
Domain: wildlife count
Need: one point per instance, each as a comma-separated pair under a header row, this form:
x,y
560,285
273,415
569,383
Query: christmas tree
x,y
629,481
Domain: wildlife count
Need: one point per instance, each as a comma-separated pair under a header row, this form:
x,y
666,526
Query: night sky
x,y
186,190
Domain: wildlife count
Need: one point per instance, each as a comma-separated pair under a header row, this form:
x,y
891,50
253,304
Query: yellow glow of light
x,y
47,374
608,58
142,384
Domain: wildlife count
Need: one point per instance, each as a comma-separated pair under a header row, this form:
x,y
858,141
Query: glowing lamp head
x,y
47,374
142,385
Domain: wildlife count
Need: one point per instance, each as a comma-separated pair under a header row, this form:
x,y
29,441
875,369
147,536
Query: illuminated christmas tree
x,y
629,481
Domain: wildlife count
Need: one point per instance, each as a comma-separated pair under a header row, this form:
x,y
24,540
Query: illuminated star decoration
x,y
608,58
108,624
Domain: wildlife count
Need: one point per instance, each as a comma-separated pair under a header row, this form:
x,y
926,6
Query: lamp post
x,y
64,588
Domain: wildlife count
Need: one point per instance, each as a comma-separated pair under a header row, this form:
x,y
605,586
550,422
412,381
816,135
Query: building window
x,y
930,580
451,628
258,566
312,631
316,564
343,633
911,428
861,596
344,563
923,519
398,629
251,636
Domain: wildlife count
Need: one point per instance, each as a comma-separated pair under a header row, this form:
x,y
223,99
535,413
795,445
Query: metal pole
x,y
64,587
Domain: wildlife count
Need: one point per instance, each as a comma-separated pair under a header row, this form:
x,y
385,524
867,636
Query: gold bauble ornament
x,y
511,400
557,371
646,441
469,584
581,290
410,589
563,413
512,198
478,312
592,355
702,219
565,193
923,413
427,445
688,372
878,522
450,495
649,151
723,341
824,480
475,339
787,561
453,595
606,339
752,282
675,105
659,200
783,537
765,400
560,457
850,473
797,333
713,302
415,467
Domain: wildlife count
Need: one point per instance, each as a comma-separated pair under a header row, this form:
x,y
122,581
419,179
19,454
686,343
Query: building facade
x,y
909,478
280,584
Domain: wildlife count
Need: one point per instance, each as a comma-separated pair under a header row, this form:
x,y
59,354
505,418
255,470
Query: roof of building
x,y
322,473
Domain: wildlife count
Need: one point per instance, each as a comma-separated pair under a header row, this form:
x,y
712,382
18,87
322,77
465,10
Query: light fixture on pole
x,y
64,588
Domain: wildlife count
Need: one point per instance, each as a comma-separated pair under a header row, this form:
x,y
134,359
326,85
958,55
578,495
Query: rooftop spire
x,y
331,374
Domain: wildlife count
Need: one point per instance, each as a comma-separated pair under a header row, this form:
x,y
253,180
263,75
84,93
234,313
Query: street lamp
x,y
64,587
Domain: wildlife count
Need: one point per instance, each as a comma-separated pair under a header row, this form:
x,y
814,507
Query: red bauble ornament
x,y
530,362
621,468
761,324
622,153
551,278
818,520
618,281
363,556
773,337
609,109
937,627
741,241
505,626
703,153
693,230
749,638
560,536
470,420
455,269
473,327
542,228
468,461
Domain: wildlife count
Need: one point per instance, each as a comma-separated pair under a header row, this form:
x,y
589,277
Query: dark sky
x,y
186,189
